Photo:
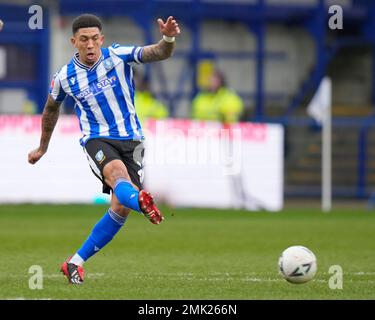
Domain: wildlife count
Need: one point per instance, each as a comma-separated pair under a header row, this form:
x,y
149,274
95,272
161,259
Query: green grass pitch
x,y
193,254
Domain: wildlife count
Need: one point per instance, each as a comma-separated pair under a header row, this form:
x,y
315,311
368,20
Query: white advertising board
x,y
187,163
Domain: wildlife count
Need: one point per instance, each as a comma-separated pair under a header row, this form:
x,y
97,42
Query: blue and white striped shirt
x,y
103,93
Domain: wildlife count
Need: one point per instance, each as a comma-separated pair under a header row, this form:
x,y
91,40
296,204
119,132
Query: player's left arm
x,y
163,49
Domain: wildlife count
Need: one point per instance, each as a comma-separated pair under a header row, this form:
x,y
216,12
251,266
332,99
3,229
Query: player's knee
x,y
115,170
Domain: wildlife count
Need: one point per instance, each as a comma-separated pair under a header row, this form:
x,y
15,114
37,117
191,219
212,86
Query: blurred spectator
x,y
147,106
217,103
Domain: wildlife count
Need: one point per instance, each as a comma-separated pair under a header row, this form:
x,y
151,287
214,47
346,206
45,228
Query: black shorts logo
x,y
100,157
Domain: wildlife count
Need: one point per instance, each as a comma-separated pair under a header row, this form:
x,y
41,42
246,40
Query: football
x,y
297,264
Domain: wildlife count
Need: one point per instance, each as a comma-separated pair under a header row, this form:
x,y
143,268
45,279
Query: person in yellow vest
x,y
219,103
147,106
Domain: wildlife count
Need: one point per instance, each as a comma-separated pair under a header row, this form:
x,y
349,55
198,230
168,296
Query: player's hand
x,y
170,28
35,155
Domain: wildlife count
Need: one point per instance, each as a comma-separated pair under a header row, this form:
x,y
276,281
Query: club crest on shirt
x,y
100,157
108,63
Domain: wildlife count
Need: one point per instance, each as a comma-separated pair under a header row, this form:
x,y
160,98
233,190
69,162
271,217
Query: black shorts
x,y
100,151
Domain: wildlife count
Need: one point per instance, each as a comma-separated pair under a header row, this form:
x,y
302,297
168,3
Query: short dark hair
x,y
86,21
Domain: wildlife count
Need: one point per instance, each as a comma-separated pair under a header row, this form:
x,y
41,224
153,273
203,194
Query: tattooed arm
x,y
49,118
163,49
158,52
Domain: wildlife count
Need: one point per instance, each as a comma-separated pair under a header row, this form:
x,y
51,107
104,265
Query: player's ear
x,y
101,39
73,41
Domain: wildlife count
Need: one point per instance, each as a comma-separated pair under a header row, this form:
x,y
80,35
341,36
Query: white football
x,y
297,264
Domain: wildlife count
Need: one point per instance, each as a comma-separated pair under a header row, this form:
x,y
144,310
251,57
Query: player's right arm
x,y
49,118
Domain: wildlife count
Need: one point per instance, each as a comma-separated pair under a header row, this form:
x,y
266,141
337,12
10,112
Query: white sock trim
x,y
116,217
77,260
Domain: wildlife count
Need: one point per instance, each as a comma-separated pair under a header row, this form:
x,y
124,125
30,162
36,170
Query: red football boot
x,y
148,207
74,273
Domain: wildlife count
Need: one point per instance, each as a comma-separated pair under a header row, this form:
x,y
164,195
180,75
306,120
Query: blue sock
x,y
103,232
126,194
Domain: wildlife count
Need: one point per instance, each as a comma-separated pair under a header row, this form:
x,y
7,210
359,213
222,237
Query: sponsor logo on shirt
x,y
97,87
